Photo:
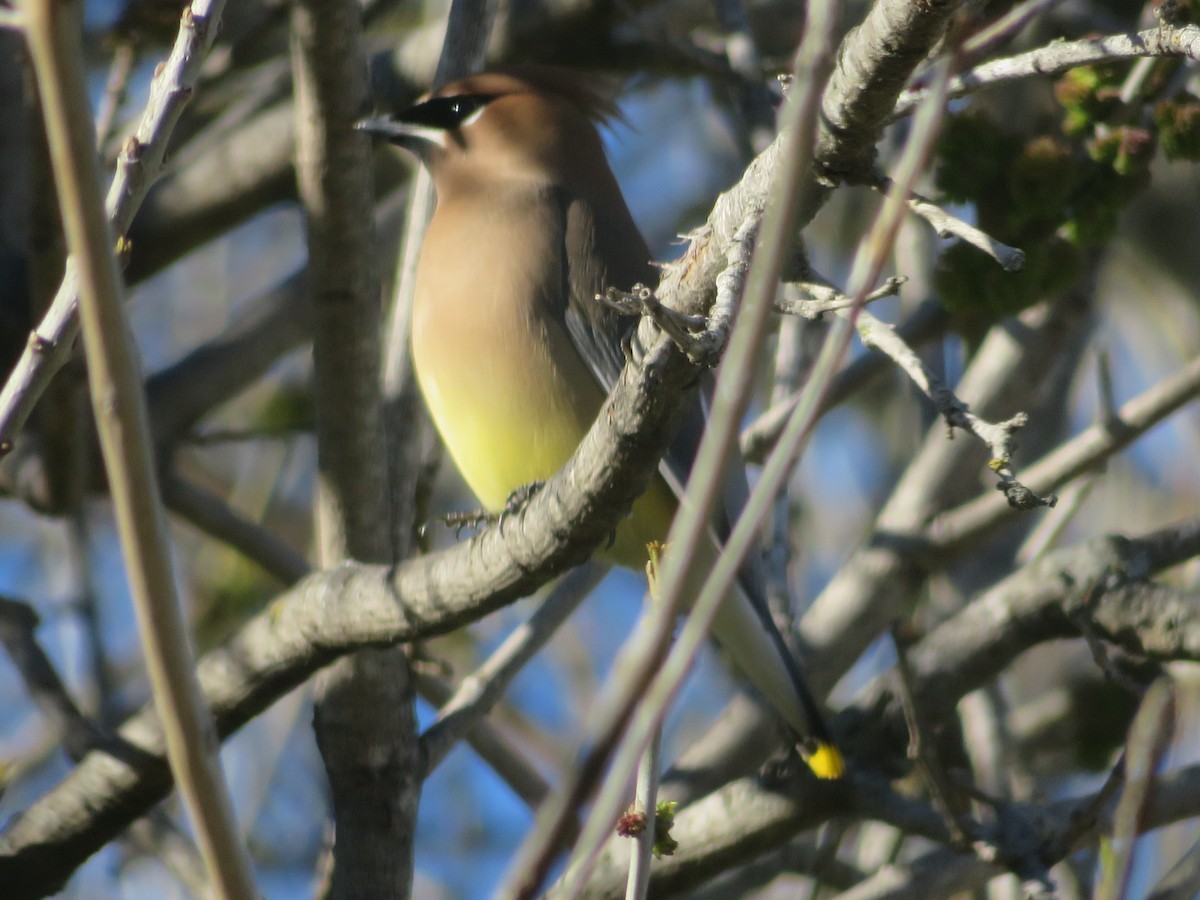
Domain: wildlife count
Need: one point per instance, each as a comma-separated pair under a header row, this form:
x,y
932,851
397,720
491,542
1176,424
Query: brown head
x,y
530,125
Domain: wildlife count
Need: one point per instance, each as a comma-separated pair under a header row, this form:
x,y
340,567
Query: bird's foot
x,y
474,518
692,334
517,499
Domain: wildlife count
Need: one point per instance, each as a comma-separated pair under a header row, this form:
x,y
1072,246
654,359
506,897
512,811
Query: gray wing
x,y
600,253
608,253
595,262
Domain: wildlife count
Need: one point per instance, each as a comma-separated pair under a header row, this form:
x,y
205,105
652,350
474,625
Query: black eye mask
x,y
445,113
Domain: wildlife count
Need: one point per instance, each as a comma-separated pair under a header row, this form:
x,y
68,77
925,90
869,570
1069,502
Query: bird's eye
x,y
447,112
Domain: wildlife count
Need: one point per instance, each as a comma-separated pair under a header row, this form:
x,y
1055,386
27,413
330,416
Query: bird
x,y
513,351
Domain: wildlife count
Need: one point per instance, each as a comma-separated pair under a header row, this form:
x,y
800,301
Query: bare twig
x,y
1006,27
825,298
1049,529
947,225
924,756
138,166
701,339
683,329
645,799
1061,56
957,528
493,746
219,520
1149,736
478,692
76,732
125,440
998,437
926,323
116,88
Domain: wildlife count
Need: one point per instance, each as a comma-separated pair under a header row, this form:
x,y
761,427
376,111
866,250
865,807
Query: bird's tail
x,y
747,634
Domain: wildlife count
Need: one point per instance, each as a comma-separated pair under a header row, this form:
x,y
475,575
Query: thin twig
x,y
998,437
959,527
1045,535
116,89
946,224
645,799
138,166
926,323
1061,56
216,518
923,755
824,298
492,746
1008,26
120,412
1149,737
75,731
478,692
691,334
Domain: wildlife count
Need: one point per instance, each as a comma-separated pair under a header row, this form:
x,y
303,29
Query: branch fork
x,y
701,338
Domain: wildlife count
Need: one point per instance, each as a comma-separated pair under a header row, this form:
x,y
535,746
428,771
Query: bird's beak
x,y
404,134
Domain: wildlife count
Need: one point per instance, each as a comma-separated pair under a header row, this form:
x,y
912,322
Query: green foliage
x,y
1089,95
970,283
1054,194
1178,122
1041,181
972,156
664,820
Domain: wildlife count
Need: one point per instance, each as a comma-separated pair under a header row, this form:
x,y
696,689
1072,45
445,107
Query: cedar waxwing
x,y
513,352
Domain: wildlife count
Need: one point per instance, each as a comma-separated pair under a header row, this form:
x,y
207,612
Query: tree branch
x,y
120,411
1053,59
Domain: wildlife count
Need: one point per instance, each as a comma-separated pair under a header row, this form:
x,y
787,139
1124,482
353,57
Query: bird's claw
x,y
517,499
473,518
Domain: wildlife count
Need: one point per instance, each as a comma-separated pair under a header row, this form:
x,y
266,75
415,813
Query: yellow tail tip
x,y
826,761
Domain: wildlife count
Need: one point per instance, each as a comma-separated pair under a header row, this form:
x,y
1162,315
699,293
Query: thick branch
x,y
345,609
1102,580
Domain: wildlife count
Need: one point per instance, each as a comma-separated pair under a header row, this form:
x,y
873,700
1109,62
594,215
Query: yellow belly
x,y
513,412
